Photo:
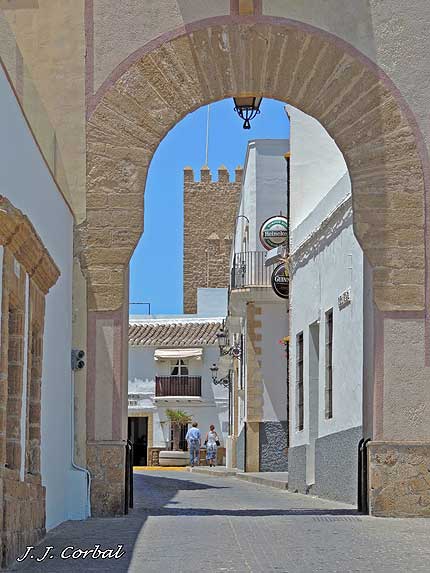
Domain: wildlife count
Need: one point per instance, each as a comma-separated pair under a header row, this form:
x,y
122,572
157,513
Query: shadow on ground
x,y
154,496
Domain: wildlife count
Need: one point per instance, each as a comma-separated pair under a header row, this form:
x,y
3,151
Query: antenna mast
x,y
207,135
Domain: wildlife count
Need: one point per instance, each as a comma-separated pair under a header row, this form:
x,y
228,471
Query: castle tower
x,y
210,209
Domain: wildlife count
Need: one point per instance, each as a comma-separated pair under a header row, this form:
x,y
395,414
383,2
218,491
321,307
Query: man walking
x,y
193,438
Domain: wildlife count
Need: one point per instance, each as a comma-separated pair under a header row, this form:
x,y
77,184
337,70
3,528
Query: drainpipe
x,y
74,465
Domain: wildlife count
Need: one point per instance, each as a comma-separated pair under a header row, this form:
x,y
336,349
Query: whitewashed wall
x,y
331,264
27,183
316,165
142,370
264,191
274,326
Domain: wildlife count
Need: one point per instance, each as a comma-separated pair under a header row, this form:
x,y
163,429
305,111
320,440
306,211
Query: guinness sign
x,y
274,232
280,281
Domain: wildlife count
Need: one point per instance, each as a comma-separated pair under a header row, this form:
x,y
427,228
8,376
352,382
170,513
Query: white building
x,y
169,367
258,318
326,318
36,259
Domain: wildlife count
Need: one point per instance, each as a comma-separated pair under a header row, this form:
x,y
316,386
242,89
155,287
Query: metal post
x,y
362,494
127,477
131,488
359,476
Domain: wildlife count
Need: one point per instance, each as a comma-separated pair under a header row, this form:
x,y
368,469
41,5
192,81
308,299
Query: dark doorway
x,y
138,435
183,444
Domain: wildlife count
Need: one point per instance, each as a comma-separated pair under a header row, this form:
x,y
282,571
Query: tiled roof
x,y
175,332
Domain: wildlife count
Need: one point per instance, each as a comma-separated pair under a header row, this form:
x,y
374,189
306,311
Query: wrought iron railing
x,y
178,386
249,270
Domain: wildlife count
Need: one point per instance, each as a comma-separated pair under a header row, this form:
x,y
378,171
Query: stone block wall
x,y
399,479
27,273
23,515
274,446
23,499
210,209
106,462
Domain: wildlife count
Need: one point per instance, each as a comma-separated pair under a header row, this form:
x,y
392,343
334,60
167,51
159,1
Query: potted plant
x,y
175,457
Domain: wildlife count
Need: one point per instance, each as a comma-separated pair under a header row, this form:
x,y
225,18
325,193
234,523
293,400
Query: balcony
x,y
178,386
248,270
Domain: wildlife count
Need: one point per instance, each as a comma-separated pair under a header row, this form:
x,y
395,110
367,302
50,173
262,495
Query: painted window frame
x,y
183,366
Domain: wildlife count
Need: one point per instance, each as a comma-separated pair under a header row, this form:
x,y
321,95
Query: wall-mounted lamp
x,y
221,381
224,349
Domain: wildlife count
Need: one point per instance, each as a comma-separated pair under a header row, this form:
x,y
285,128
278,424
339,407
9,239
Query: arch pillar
x,y
107,381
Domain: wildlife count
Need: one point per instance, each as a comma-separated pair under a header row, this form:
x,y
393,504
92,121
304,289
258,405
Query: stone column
x,y
399,453
107,389
396,398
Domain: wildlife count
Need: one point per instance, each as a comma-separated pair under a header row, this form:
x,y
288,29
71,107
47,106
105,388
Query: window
x,y
329,364
299,381
179,368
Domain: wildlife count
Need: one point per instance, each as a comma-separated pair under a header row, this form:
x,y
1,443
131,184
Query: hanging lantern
x,y
247,107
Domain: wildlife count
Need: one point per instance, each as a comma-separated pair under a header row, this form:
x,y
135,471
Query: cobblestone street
x,y
191,523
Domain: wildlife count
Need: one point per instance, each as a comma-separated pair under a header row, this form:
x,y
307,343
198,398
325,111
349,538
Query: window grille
x,y
329,364
299,381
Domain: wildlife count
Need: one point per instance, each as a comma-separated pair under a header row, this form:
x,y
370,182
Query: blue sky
x,y
156,265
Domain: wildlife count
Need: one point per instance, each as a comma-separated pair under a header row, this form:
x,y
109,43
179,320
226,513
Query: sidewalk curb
x,y
263,481
249,477
212,472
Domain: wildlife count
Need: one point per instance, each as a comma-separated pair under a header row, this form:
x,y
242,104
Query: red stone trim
x,y
120,338
89,52
378,375
404,314
234,7
19,75
258,7
116,316
91,373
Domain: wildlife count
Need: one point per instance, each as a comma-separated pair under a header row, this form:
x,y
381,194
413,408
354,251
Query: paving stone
x,y
189,522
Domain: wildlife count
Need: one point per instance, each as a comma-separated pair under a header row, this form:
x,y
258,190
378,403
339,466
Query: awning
x,y
176,353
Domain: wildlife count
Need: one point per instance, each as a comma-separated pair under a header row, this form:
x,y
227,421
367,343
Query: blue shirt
x,y
193,434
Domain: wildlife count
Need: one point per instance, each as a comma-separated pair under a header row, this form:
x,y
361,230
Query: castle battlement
x,y
206,175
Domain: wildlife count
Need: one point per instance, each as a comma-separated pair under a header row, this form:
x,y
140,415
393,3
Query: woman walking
x,y
212,442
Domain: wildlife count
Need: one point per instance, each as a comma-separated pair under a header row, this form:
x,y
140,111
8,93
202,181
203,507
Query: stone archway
x,y
310,70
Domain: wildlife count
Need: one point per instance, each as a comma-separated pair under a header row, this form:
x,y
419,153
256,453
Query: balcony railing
x,y
178,386
248,270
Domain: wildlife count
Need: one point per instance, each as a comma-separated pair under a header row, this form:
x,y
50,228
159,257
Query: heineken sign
x,y
280,281
274,232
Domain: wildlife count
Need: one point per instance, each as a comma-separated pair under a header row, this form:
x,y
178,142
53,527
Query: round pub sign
x,y
274,232
280,281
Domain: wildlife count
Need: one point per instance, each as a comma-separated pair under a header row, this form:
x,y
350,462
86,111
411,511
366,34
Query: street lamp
x,y
221,381
247,107
222,338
